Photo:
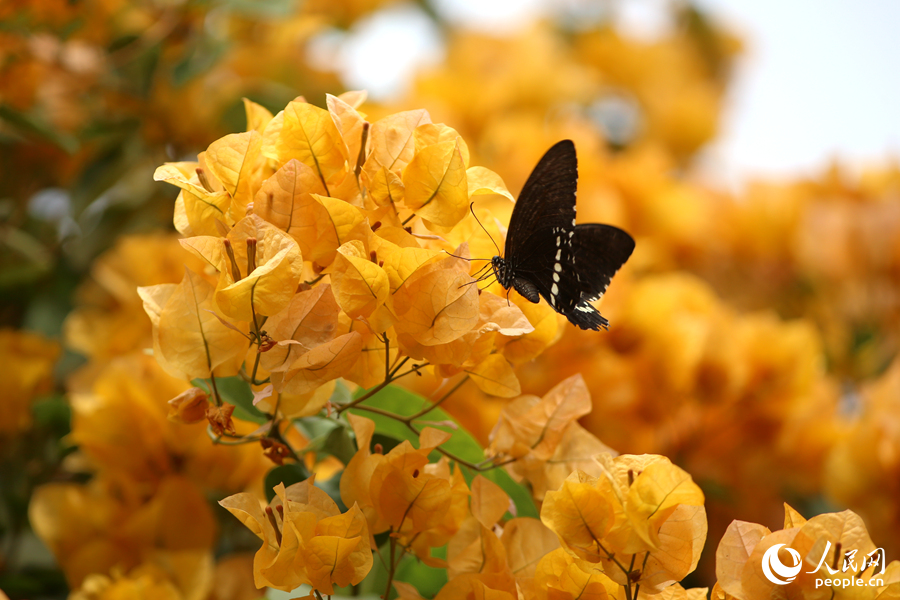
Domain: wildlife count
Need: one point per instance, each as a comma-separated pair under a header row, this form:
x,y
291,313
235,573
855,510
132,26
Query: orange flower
x,y
544,437
306,539
28,360
641,522
828,552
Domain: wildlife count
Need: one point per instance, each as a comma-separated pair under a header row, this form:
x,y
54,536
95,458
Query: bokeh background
x,y
750,148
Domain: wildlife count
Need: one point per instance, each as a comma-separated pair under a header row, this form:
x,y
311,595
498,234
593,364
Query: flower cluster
x,y
862,465
639,523
146,502
830,556
314,193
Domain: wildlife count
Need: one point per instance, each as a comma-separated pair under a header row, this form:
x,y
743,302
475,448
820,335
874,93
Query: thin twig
x,y
397,368
475,467
392,570
215,388
434,405
312,282
637,586
255,367
279,437
387,357
390,379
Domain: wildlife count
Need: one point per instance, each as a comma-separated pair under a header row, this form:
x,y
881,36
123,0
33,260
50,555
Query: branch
x,y
480,468
434,405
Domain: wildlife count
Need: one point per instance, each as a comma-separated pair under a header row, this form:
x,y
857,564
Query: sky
x,y
819,79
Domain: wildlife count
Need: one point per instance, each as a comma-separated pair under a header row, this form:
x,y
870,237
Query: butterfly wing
x,y
598,252
547,203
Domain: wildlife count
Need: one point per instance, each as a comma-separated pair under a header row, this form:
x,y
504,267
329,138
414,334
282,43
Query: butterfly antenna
x,y
472,210
468,259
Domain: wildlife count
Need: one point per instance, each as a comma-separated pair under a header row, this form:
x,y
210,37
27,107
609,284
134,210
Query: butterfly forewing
x,y
547,202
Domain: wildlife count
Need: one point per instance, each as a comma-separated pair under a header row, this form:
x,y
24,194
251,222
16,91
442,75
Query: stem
x,y
628,578
364,397
391,570
387,357
235,440
434,405
397,368
637,586
277,435
480,468
413,370
273,420
315,281
212,381
392,376
253,312
611,556
408,219
255,367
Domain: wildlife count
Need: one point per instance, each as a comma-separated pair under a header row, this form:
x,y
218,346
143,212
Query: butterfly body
x,y
547,255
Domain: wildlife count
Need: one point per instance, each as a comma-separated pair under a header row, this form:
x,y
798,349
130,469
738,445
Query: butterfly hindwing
x,y
598,252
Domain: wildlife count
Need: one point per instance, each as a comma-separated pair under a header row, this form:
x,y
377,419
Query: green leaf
x,y
52,412
404,403
315,428
341,394
236,391
297,472
31,125
340,444
427,580
332,487
286,474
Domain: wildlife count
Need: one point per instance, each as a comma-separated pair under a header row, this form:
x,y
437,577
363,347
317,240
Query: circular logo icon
x,y
782,574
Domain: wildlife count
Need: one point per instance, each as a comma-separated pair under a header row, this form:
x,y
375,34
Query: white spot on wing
x,y
558,254
557,267
556,277
554,290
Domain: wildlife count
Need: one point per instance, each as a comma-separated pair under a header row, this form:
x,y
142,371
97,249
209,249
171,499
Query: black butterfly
x,y
548,255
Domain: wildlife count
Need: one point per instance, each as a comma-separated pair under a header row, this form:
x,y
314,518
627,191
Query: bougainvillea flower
x,y
306,539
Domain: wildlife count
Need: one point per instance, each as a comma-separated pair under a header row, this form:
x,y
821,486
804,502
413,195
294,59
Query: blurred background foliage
x,y
753,335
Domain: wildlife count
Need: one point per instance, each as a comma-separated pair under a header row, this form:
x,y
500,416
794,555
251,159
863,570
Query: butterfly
x,y
547,255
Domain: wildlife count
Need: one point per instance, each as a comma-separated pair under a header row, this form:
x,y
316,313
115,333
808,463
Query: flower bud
x,y
188,407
